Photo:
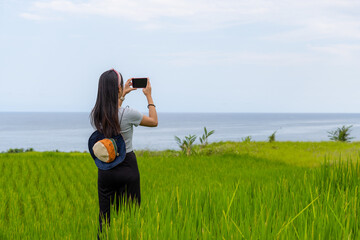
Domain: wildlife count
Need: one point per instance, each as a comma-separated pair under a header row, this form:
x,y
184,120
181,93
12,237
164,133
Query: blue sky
x,y
201,56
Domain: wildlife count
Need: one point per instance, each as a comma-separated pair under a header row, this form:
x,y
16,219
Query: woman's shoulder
x,y
127,110
132,114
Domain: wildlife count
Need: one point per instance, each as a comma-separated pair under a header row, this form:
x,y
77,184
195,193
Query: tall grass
x,y
226,191
307,205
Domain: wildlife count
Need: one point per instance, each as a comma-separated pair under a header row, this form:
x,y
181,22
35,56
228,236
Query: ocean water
x,y
70,131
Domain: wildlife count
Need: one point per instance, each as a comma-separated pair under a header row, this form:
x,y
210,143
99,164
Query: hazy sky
x,y
200,55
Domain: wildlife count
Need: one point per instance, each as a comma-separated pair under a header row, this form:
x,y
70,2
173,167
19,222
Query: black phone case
x,y
139,82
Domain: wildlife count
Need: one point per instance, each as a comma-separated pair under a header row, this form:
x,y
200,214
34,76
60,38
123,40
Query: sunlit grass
x,y
251,190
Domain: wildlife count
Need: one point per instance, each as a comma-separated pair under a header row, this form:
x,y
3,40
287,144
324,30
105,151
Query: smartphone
x,y
139,82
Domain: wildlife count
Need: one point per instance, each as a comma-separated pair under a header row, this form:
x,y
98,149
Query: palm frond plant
x,y
341,134
186,144
205,136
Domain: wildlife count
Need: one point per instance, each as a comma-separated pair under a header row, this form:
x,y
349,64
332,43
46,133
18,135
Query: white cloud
x,y
185,15
303,20
344,51
336,21
220,11
32,16
329,54
321,28
217,58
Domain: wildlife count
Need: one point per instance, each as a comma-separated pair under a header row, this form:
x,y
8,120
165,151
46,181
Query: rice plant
x,y
237,192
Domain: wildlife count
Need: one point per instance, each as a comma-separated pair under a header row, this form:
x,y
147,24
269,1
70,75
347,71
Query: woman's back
x,y
128,118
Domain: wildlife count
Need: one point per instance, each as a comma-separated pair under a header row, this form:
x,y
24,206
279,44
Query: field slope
x,y
227,190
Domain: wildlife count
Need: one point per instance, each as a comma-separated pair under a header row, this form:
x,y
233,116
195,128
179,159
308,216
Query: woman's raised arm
x,y
151,120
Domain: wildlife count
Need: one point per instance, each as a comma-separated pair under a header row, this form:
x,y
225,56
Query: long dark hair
x,y
104,116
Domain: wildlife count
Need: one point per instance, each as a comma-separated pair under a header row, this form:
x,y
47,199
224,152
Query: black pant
x,y
121,182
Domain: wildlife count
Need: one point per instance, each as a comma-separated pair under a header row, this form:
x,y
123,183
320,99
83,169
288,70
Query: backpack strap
x,y
123,113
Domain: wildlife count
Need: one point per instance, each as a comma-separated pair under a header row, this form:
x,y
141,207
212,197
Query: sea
x,y
69,131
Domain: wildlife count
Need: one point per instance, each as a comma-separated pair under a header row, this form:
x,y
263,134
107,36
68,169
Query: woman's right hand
x,y
128,87
147,90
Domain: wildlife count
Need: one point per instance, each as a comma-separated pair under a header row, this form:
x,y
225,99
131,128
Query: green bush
x,y
205,136
271,138
186,144
246,139
19,150
341,134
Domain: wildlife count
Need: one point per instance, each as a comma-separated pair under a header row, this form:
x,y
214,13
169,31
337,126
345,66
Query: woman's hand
x,y
147,90
128,87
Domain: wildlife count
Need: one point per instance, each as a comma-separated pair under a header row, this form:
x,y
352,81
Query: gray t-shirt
x,y
130,118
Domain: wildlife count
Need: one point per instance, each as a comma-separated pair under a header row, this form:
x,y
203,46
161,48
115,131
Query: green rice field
x,y
227,190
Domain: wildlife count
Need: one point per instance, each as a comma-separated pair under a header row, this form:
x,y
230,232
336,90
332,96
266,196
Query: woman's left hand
x,y
128,87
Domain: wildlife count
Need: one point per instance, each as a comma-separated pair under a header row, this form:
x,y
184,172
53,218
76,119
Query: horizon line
x,y
192,112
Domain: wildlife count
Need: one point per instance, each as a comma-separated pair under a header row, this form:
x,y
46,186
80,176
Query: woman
x,y
110,119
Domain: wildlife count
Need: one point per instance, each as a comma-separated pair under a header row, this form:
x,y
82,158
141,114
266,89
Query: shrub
x,y
246,139
272,137
341,134
19,150
205,136
186,144
15,150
